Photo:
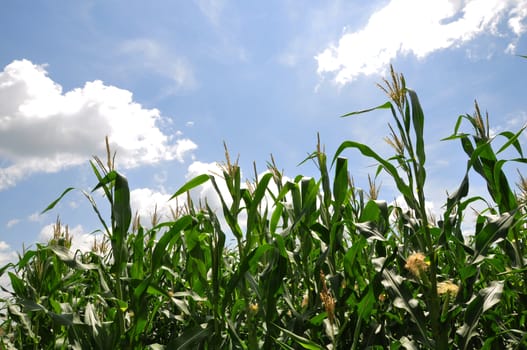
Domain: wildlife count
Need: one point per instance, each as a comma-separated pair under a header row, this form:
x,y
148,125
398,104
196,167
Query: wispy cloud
x,y
35,217
157,58
12,223
43,129
212,9
420,28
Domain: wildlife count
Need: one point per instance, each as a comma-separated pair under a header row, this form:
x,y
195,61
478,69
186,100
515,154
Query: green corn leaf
x,y
190,338
182,305
324,177
386,105
23,319
287,187
257,254
512,139
66,256
365,306
237,276
97,212
486,298
310,156
275,217
106,180
160,250
309,193
374,210
297,200
25,259
284,345
99,177
5,267
234,331
456,134
121,211
18,284
32,306
404,300
467,145
370,231
260,190
258,195
230,216
519,160
195,182
121,206
504,194
141,289
405,190
54,203
62,319
461,192
303,342
340,184
418,123
138,244
494,229
351,267
272,278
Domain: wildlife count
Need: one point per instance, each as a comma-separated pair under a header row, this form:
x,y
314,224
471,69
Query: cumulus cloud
x,y
43,129
419,27
145,202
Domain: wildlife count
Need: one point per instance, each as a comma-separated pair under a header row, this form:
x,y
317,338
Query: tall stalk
x,y
408,142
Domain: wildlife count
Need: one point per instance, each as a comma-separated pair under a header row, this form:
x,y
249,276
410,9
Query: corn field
x,y
318,263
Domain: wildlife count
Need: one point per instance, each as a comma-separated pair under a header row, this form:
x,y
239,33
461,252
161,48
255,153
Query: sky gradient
x,y
170,81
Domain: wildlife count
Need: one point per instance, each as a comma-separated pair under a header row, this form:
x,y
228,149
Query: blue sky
x,y
170,81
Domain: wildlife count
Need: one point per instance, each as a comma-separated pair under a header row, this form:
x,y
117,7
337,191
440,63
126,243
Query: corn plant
x,y
318,262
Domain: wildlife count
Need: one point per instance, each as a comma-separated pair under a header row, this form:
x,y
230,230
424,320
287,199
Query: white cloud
x,y
420,28
288,59
43,129
150,54
34,217
212,9
3,245
206,193
183,147
10,224
145,202
6,254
